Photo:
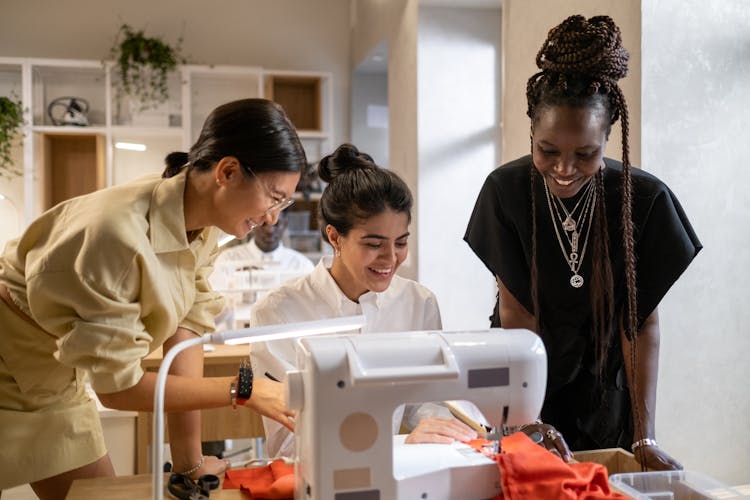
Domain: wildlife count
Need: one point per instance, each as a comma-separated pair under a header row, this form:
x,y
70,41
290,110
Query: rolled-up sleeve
x,y
97,324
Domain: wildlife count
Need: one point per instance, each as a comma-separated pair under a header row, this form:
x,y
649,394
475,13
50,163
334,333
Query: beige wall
x,y
525,27
277,34
395,22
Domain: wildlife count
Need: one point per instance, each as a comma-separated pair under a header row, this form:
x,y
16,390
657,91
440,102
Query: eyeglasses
x,y
278,204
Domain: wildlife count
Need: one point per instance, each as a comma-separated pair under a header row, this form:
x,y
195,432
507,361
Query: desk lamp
x,y
234,337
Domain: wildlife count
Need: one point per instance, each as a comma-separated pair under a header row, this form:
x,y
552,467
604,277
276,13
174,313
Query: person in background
x,y
365,213
265,246
584,247
99,281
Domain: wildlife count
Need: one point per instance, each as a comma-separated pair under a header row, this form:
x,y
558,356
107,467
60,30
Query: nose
x,y
389,253
565,166
271,217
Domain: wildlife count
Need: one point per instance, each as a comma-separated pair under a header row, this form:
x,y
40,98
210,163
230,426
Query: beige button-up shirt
x,y
110,276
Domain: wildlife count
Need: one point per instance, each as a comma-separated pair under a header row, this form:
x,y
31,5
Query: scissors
x,y
184,488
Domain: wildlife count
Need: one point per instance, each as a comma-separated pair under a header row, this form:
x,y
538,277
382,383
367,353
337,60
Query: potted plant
x,y
11,119
143,65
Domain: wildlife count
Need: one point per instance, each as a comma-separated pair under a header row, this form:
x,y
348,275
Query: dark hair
x,y
581,61
255,131
357,190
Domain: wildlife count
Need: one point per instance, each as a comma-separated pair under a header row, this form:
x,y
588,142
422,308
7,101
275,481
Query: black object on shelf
x,y
69,111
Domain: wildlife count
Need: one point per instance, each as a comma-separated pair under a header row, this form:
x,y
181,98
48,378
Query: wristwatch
x,y
244,382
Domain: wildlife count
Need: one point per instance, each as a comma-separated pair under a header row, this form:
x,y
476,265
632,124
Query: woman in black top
x,y
584,247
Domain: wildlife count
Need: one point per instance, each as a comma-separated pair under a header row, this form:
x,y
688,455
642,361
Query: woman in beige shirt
x,y
99,281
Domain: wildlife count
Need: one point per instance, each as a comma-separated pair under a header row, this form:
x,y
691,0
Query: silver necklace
x,y
570,228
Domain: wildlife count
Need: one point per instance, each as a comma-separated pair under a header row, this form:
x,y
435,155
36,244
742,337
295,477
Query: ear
x,y
333,237
227,170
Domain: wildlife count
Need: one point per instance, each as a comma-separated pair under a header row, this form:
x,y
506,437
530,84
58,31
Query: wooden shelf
x,y
71,165
194,91
301,98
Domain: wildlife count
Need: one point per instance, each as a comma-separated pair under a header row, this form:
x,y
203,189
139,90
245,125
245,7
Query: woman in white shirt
x,y
365,213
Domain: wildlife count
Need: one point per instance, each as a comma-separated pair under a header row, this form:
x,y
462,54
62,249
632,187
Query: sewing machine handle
x,y
361,376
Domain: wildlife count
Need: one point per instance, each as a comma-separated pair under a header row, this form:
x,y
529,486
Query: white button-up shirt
x,y
281,257
404,306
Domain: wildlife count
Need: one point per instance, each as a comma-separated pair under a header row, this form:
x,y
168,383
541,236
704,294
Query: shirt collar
x,y
329,291
167,215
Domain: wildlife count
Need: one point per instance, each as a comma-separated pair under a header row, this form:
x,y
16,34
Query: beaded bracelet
x,y
193,468
643,442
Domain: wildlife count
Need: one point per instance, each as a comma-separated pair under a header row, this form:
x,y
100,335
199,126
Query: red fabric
x,y
529,471
271,482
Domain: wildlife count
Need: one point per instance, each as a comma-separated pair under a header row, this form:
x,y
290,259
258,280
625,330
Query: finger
x,y
426,437
288,423
567,455
555,443
447,427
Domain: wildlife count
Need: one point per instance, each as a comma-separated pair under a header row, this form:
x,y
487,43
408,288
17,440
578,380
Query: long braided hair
x,y
581,61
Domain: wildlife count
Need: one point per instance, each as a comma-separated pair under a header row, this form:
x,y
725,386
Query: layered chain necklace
x,y
571,227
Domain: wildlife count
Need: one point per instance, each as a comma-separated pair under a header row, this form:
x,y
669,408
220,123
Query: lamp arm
x,y
157,441
242,336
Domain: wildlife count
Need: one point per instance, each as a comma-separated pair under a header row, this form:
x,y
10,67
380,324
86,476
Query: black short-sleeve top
x,y
499,232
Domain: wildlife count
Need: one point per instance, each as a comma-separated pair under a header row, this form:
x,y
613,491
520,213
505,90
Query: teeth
x,y
564,183
381,271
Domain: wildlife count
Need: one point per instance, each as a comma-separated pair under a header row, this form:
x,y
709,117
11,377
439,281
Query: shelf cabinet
x,y
71,165
60,161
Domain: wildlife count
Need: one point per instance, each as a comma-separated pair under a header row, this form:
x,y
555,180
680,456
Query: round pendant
x,y
569,224
576,281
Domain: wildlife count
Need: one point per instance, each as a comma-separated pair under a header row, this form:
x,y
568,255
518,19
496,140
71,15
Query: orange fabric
x,y
271,482
528,470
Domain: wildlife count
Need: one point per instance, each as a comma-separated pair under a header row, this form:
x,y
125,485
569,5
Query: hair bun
x,y
174,163
346,157
585,47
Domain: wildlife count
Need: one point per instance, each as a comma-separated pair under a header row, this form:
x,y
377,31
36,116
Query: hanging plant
x,y
11,119
143,65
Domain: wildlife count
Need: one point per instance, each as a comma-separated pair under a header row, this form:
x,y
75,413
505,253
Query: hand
x,y
440,430
552,439
267,399
655,458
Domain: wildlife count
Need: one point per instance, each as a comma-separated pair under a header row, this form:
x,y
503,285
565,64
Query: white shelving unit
x,y
194,91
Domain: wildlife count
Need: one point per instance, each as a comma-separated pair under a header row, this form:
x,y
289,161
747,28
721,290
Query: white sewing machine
x,y
348,386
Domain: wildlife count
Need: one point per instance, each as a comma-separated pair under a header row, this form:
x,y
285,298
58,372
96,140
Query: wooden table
x,y
131,488
217,423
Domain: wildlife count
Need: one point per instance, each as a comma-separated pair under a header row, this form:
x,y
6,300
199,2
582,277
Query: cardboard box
x,y
616,460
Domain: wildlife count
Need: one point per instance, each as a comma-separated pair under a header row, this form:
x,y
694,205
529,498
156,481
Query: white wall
x,y
459,139
278,34
696,93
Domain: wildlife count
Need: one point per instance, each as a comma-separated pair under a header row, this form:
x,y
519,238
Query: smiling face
x,y
268,237
242,201
369,255
568,146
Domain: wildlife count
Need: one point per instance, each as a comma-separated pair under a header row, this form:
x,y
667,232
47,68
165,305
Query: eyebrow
x,y
276,192
588,146
381,237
